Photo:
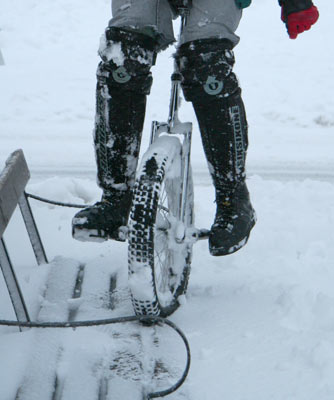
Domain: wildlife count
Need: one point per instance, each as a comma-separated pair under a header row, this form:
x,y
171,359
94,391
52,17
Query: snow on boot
x,y
234,220
106,219
123,82
212,87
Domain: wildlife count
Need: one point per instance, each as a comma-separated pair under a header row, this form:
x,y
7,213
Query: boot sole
x,y
222,251
93,235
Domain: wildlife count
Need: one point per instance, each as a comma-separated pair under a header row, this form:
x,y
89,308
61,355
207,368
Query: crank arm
x,y
194,234
200,234
203,234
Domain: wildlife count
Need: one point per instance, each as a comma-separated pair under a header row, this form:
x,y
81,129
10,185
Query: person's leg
x,y
128,49
212,19
206,61
152,18
123,82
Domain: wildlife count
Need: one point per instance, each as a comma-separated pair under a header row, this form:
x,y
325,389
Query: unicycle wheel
x,y
159,265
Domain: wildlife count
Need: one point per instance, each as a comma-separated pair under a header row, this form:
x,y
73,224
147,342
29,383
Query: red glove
x,y
300,21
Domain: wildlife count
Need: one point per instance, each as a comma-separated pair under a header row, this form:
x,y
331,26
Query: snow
x,y
260,322
113,52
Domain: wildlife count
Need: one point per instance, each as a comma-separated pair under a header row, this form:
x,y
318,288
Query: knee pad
x,y
127,57
206,66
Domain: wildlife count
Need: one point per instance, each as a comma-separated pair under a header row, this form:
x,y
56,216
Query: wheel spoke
x,y
162,251
164,196
161,258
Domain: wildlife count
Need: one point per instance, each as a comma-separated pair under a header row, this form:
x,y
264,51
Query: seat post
x,y
176,77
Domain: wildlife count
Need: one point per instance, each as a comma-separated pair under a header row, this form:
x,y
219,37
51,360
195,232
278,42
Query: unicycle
x,y
161,229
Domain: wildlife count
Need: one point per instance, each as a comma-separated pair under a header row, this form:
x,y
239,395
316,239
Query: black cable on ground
x,y
146,319
56,203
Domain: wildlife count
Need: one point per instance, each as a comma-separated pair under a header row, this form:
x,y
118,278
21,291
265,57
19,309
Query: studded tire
x,y
159,267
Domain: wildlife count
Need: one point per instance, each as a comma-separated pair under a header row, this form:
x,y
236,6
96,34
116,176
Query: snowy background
x,y
260,322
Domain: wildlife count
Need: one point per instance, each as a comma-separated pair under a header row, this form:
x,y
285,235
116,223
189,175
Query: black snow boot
x,y
212,87
234,220
106,219
123,82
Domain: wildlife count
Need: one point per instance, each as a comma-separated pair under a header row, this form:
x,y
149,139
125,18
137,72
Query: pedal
x,y
194,234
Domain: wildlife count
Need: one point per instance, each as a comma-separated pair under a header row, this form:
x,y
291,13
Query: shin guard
x,y
123,81
213,89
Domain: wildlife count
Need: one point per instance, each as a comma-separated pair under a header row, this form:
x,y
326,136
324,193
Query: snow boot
x,y
106,219
213,89
123,82
233,222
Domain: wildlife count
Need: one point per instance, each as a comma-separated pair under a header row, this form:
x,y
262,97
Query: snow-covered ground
x,y
260,322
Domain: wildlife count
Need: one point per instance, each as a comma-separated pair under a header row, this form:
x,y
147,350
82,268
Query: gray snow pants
x,y
207,19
